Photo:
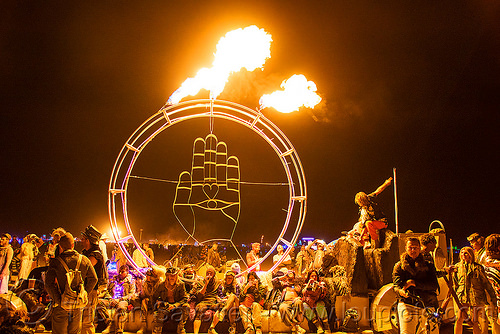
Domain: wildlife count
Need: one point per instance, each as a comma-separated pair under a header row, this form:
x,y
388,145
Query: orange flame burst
x,y
247,48
297,92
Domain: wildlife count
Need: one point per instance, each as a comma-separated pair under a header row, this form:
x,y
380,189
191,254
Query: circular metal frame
x,y
210,109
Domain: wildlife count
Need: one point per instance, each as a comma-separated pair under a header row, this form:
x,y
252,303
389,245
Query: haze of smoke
x,y
340,109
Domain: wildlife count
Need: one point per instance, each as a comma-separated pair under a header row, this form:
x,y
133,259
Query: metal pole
x,y
450,255
395,201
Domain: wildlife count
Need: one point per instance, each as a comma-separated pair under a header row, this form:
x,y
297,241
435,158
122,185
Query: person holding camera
x,y
251,300
314,306
291,308
204,292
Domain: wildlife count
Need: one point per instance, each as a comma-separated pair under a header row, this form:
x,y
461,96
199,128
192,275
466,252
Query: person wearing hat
x,y
236,269
477,243
145,295
473,287
228,293
170,300
90,240
273,297
6,254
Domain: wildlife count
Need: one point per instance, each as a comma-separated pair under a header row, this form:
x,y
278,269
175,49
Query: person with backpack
x,y
69,280
91,249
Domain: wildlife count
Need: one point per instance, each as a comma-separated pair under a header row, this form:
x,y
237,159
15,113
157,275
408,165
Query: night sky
x,y
405,84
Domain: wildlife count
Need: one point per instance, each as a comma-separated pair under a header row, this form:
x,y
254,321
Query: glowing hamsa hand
x,y
212,185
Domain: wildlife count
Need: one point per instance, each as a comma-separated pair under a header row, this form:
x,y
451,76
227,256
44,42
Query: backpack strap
x,y
78,263
65,266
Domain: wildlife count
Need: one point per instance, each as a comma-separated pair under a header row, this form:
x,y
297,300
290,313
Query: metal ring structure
x,y
210,109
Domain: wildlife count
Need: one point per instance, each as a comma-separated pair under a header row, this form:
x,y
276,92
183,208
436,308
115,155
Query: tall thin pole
x,y
395,201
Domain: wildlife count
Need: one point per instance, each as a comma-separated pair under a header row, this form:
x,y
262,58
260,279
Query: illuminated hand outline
x,y
213,184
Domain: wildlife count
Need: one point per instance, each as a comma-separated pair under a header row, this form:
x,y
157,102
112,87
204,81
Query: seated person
x,y
204,293
145,298
371,218
314,307
273,297
122,289
188,276
170,299
291,308
241,279
228,293
251,300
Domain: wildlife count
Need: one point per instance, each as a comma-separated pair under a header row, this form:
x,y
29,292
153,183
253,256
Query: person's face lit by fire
x,y
477,244
171,278
55,238
150,278
85,242
229,279
413,248
209,276
4,242
279,249
290,276
313,276
123,273
465,256
252,280
431,246
256,247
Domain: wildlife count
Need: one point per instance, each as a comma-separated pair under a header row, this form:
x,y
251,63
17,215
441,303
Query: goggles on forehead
x,y
171,270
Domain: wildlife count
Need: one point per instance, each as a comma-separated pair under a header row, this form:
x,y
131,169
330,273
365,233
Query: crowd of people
x,y
80,287
295,289
473,282
165,292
